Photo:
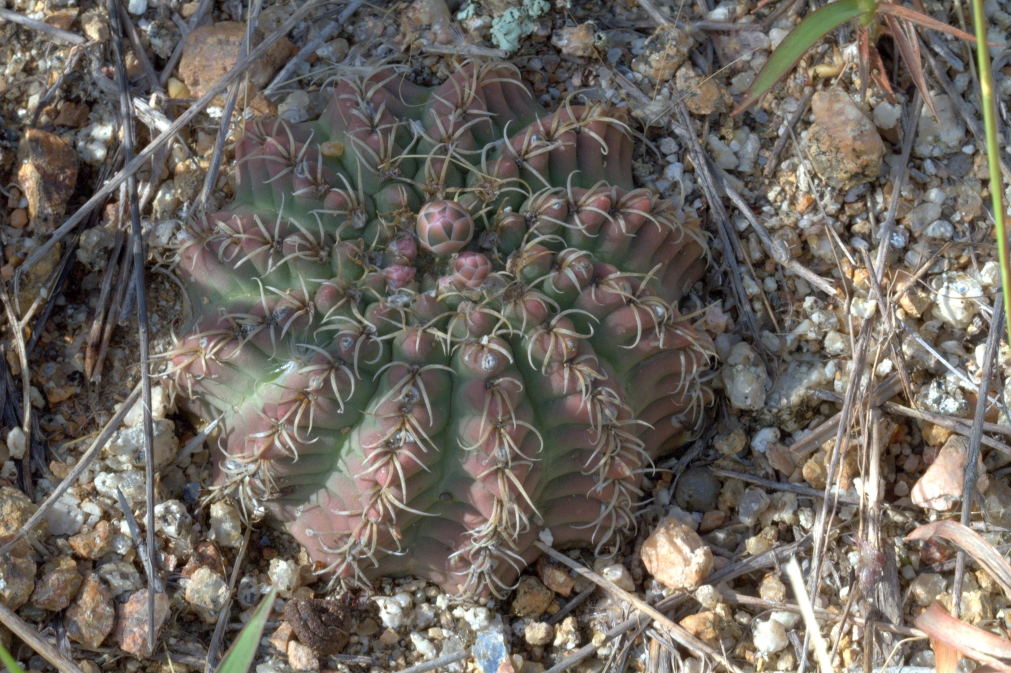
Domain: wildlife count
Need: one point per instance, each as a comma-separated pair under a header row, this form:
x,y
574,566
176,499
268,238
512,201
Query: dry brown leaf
x,y
973,544
947,632
945,657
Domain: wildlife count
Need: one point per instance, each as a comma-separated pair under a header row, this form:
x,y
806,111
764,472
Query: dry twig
x,y
972,457
52,31
676,631
154,584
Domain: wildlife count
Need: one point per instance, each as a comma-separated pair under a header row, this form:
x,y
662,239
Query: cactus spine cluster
x,y
436,322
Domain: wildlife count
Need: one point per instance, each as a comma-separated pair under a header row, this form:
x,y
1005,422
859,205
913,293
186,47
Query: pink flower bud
x,y
444,227
471,269
398,276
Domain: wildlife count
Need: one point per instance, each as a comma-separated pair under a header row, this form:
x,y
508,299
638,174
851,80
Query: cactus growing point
x,y
439,321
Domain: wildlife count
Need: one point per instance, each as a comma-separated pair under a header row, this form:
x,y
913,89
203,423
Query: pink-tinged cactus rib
x,y
438,321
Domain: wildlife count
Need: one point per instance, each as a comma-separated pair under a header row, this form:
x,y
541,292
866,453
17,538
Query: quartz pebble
x,y
161,405
207,593
944,135
129,482
920,217
58,585
702,625
752,504
172,519
745,378
940,487
843,144
47,174
285,576
772,588
94,544
663,53
91,617
491,652
65,517
127,447
532,598
538,633
566,634
555,576
301,657
131,625
294,108
769,637
424,646
676,556
226,527
394,610
120,576
926,588
619,575
957,296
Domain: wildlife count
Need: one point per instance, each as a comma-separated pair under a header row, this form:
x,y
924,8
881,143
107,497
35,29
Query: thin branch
x,y
807,612
138,50
786,486
972,457
909,133
219,627
957,425
217,154
30,636
19,345
576,601
127,143
52,31
315,43
784,137
676,631
438,662
177,53
82,465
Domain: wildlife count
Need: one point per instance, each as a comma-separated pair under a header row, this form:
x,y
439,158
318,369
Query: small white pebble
x,y
424,646
770,637
17,443
763,438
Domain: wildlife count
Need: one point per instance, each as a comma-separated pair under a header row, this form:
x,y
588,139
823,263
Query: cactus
x,y
436,322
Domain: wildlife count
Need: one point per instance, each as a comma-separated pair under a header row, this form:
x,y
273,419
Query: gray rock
x,y
697,490
935,140
753,503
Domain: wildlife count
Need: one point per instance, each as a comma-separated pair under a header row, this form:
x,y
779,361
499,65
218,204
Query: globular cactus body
x,y
437,322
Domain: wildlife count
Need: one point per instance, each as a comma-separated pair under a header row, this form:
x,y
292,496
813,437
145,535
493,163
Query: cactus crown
x,y
438,321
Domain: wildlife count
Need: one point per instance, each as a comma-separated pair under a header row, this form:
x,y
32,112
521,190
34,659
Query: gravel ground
x,y
808,181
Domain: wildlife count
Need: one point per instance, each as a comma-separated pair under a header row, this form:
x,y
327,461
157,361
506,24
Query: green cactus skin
x,y
396,420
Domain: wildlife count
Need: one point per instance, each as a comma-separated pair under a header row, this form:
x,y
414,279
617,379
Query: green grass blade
x,y
240,655
814,27
8,661
992,152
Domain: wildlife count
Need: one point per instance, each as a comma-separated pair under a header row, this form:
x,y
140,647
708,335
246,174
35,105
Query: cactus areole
x,y
438,322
